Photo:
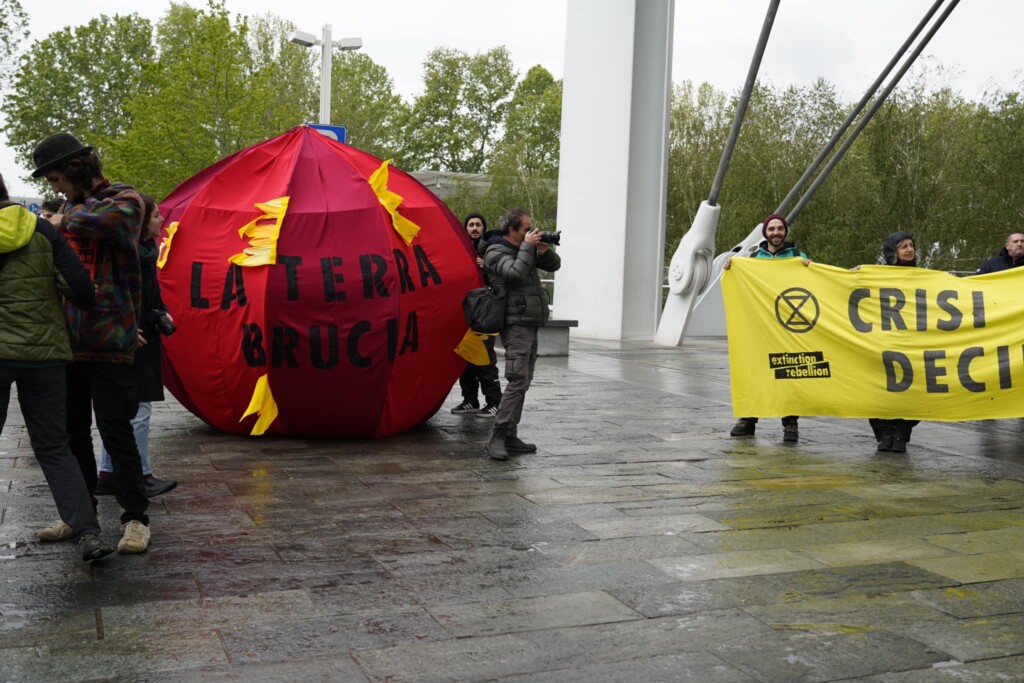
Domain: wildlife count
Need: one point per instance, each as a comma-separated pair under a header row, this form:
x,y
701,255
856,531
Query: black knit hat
x,y
772,217
483,220
55,150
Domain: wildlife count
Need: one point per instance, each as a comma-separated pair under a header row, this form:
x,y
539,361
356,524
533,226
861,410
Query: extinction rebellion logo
x,y
799,365
797,311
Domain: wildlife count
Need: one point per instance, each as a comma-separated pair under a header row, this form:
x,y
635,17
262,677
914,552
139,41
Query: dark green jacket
x,y
515,269
38,263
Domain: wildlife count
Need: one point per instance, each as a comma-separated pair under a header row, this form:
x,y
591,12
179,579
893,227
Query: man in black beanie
x,y
775,229
484,377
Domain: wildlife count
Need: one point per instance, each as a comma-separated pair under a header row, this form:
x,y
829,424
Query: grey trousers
x,y
520,342
41,393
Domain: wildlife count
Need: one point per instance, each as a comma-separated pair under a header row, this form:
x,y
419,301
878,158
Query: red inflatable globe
x,y
317,292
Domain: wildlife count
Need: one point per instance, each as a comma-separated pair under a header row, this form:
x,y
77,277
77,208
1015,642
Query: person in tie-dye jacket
x,y
101,221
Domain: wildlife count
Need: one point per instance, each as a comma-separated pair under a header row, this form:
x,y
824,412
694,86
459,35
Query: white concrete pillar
x,y
612,180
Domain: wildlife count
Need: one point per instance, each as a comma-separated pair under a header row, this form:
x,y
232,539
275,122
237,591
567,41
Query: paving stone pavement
x,y
640,543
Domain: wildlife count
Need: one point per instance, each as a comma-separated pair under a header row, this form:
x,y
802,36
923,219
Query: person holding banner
x,y
892,434
1012,256
775,229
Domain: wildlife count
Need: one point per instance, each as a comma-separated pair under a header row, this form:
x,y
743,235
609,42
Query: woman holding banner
x,y
892,434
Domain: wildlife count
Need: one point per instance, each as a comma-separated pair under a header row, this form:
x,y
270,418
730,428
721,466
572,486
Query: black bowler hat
x,y
55,150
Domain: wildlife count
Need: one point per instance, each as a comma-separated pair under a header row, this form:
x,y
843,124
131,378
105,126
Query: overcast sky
x,y
847,43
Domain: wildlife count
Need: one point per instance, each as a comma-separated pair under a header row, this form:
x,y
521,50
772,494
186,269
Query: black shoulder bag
x,y
485,309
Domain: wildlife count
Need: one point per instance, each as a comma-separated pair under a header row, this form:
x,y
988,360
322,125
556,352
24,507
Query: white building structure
x,y
613,176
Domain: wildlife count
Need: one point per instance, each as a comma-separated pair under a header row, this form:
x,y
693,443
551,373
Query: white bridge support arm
x,y
689,275
613,174
694,302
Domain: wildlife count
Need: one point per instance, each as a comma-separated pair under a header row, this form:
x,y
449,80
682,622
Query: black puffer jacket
x,y
1000,262
480,244
148,361
515,269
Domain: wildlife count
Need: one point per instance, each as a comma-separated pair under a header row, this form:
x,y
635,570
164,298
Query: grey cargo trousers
x,y
520,342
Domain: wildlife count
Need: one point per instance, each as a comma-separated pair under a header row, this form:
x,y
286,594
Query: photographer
x,y
512,258
148,368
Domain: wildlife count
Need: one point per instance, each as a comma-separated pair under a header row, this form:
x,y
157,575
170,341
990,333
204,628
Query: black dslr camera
x,y
163,322
554,238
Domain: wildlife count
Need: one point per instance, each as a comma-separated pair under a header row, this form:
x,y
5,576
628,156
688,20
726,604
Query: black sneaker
x,y
465,407
105,486
154,486
743,427
515,445
488,411
899,443
790,433
885,443
92,547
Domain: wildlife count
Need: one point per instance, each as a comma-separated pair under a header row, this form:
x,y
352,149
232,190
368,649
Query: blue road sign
x,y
333,132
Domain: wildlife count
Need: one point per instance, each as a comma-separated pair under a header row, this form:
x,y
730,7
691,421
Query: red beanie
x,y
768,219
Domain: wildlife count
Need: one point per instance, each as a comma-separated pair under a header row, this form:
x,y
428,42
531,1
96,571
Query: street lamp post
x,y
326,45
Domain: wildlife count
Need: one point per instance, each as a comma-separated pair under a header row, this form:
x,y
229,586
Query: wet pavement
x,y
640,543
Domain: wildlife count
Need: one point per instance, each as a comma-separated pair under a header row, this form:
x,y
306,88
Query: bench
x,y
552,339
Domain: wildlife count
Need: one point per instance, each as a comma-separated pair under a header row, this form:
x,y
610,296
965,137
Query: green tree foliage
x,y
363,99
699,124
533,124
13,23
523,169
923,146
78,80
280,74
457,120
213,90
944,168
999,159
162,104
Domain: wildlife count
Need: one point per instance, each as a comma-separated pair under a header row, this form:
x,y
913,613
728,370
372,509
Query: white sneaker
x,y
135,538
58,531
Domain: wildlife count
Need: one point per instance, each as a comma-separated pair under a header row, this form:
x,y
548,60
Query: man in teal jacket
x,y
775,230
35,263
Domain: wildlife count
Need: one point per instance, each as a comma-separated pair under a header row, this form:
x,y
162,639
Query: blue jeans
x,y
140,425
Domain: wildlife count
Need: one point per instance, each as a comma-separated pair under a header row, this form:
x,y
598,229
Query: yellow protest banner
x,y
882,341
